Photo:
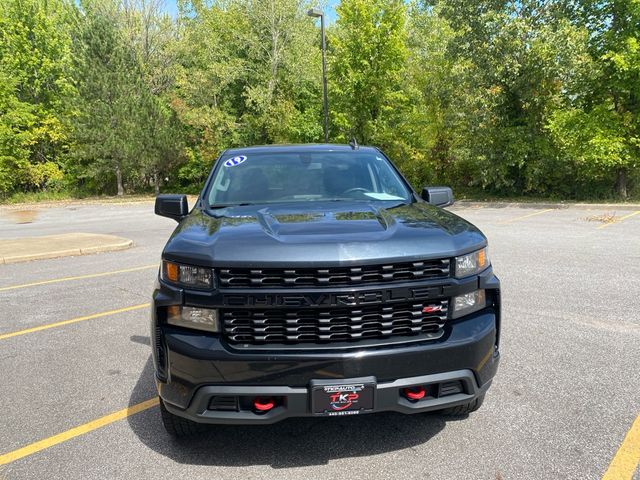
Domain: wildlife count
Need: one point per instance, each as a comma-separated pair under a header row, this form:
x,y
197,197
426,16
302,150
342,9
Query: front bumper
x,y
201,367
193,367
296,402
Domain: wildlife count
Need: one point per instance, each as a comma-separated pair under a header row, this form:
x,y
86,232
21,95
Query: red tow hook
x,y
414,393
263,405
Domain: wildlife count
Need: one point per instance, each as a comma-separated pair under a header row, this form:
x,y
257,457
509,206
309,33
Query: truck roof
x,y
296,148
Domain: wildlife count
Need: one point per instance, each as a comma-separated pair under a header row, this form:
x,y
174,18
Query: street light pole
x,y
316,12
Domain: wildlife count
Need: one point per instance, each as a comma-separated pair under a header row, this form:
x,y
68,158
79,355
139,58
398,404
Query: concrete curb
x,y
54,246
540,205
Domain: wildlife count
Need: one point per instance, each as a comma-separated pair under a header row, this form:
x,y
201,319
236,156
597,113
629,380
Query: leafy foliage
x,y
536,97
35,88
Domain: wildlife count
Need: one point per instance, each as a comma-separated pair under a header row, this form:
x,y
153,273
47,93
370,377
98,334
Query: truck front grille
x,y
334,276
317,325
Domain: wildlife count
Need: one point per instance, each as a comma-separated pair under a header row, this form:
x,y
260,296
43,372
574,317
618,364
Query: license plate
x,y
349,398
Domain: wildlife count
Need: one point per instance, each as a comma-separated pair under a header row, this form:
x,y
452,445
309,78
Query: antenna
x,y
353,143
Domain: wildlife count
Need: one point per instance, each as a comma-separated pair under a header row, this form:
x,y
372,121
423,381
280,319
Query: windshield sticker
x,y
382,196
232,162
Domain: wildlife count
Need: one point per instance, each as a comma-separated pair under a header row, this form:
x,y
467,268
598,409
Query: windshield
x,y
305,176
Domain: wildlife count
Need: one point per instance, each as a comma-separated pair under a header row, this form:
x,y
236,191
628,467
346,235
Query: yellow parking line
x,y
78,277
627,457
621,219
525,216
73,320
77,431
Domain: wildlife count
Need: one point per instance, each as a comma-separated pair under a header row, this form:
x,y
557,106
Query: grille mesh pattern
x,y
318,277
260,326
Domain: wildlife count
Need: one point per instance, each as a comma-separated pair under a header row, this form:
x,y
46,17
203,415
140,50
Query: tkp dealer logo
x,y
343,397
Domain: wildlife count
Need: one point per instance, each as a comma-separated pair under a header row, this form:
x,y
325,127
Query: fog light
x,y
193,317
468,303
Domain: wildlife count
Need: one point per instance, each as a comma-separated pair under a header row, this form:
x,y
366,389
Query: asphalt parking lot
x,y
78,395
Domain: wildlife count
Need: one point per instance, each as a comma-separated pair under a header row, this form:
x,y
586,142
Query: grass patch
x,y
31,200
34,197
479,197
63,197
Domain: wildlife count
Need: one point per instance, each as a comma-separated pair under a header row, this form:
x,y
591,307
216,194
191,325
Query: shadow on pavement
x,y
290,443
141,339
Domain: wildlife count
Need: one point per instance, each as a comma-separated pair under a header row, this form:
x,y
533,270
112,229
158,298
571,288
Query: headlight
x,y
193,317
471,263
468,303
187,275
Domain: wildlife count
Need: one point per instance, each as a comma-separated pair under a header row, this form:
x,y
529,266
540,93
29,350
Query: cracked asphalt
x,y
566,393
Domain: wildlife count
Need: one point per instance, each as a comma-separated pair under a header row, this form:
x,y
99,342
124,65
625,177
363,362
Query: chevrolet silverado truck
x,y
312,280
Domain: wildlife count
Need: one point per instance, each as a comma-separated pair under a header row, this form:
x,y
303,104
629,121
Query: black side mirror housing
x,y
438,196
172,206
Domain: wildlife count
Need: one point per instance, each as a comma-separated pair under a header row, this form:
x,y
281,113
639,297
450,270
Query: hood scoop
x,y
357,222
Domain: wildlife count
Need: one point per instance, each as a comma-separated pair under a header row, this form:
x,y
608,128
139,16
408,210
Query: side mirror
x,y
172,206
438,196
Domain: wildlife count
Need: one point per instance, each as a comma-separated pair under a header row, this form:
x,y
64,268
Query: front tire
x,y
465,409
177,426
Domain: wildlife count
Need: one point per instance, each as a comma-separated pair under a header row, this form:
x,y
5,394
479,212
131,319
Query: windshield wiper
x,y
226,205
396,205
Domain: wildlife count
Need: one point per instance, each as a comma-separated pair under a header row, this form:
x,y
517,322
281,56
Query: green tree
x,y
498,70
107,131
282,65
599,128
248,72
535,97
368,46
442,93
151,35
160,141
207,95
36,87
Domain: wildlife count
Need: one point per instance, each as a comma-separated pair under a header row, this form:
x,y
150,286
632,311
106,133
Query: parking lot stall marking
x,y
511,220
626,460
72,320
76,431
78,277
621,219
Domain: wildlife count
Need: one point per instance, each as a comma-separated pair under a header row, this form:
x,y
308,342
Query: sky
x,y
172,8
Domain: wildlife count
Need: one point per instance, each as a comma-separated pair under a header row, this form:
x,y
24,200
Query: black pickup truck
x,y
311,280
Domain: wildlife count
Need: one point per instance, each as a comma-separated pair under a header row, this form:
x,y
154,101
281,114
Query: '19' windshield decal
x,y
232,162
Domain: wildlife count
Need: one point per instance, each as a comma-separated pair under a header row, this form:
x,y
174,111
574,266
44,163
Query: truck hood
x,y
332,233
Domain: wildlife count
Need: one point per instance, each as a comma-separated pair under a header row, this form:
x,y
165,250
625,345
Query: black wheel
x,y
177,426
465,409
